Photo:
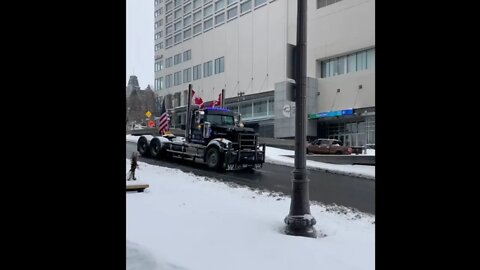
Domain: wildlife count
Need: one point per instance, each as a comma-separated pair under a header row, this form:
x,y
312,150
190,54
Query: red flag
x,y
219,101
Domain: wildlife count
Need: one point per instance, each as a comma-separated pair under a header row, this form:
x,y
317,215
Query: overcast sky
x,y
140,43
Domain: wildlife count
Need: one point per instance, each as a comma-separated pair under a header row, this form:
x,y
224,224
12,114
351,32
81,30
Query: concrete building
x,y
241,46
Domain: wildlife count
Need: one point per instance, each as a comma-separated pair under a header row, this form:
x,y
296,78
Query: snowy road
x,y
325,187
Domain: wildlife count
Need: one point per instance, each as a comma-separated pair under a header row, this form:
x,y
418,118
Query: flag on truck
x,y
163,122
218,102
197,100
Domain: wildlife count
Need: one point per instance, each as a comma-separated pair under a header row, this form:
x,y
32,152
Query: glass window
x,y
162,84
178,3
169,30
219,65
178,13
177,78
208,24
220,18
160,45
246,6
178,26
168,6
231,1
361,60
207,11
187,8
246,110
177,59
352,63
187,21
187,33
187,75
341,65
197,28
371,58
178,38
260,108
161,64
333,67
169,19
232,13
271,106
207,69
187,55
259,2
168,81
197,72
197,16
168,62
324,69
197,3
219,5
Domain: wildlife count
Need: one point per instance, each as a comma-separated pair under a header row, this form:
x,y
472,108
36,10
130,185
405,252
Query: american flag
x,y
163,122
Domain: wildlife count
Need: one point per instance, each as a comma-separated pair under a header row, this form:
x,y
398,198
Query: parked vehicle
x,y
328,146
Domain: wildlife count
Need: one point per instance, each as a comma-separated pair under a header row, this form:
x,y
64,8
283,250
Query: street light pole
x,y
299,221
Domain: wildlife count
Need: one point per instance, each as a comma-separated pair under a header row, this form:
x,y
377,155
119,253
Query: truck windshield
x,y
217,119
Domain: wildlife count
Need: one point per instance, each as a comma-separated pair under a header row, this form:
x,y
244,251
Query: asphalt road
x,y
325,187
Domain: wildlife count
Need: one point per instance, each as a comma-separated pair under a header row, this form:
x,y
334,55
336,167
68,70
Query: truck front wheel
x,y
214,160
142,146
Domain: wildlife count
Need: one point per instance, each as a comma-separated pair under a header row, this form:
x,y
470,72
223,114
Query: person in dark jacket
x,y
134,166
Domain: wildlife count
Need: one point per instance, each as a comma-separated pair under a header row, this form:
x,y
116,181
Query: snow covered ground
x,y
186,222
280,156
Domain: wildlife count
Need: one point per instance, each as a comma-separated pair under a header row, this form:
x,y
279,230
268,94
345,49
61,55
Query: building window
x,y
160,45
168,6
207,69
197,29
208,24
187,8
207,11
260,108
220,18
246,6
187,33
157,47
168,42
157,84
156,2
197,16
160,11
187,21
348,63
187,55
178,3
169,19
197,72
231,13
168,62
361,60
197,3
259,2
219,5
246,110
168,81
187,75
178,13
178,26
271,106
324,3
178,38
177,59
371,59
177,78
160,65
157,12
157,36
219,65
169,30
156,25
231,1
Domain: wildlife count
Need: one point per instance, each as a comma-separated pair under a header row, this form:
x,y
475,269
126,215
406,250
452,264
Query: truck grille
x,y
247,141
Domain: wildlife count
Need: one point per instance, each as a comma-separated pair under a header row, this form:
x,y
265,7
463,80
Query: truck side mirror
x,y
206,130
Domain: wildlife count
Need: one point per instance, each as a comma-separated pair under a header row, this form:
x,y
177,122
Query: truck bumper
x,y
237,159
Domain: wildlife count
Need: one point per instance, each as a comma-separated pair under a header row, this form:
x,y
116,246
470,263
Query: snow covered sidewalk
x,y
188,222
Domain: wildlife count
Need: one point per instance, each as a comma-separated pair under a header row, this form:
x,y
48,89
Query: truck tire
x,y
142,147
155,148
214,159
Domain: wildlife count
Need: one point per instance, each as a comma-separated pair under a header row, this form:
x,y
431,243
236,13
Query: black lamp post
x,y
299,221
